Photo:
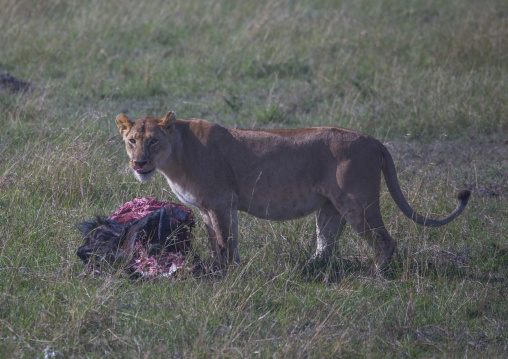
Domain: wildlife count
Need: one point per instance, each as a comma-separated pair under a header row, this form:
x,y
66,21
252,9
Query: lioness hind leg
x,y
367,221
383,245
369,224
329,226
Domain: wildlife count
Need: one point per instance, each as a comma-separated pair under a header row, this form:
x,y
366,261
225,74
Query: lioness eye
x,y
133,141
153,141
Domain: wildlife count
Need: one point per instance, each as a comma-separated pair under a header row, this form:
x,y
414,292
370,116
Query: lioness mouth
x,y
144,172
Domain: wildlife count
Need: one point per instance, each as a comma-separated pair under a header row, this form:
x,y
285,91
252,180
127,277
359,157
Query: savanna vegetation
x,y
428,78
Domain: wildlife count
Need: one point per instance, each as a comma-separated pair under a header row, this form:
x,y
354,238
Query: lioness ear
x,y
124,124
168,121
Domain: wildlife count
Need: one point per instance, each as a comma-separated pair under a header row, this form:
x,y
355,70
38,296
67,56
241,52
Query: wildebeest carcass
x,y
146,237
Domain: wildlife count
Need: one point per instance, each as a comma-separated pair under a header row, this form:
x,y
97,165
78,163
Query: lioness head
x,y
147,142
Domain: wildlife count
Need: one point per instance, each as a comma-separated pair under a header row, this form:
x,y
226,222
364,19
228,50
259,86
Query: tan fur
x,y
273,174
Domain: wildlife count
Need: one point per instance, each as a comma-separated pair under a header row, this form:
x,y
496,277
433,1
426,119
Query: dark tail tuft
x,y
464,196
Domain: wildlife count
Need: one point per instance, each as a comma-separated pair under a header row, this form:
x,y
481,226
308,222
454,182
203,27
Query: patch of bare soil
x,y
11,83
480,165
442,257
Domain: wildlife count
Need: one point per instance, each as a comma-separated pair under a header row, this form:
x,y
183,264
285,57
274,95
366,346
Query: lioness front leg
x,y
222,229
212,238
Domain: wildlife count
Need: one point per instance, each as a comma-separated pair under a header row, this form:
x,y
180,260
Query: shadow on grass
x,y
406,264
436,264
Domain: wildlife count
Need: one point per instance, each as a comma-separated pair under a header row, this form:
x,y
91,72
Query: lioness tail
x,y
392,183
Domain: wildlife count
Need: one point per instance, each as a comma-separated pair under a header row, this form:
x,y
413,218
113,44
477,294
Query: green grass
x,y
428,78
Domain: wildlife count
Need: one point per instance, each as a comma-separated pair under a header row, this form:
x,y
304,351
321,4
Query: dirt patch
x,y
11,83
474,164
495,189
442,257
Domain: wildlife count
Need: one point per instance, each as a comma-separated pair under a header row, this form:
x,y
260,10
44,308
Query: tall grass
x,y
430,79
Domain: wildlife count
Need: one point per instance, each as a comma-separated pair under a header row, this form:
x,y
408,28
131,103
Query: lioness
x,y
272,174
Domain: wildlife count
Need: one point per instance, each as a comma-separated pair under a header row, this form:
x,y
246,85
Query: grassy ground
x,y
429,78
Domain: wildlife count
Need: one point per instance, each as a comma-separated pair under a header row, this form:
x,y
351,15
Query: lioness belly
x,y
279,207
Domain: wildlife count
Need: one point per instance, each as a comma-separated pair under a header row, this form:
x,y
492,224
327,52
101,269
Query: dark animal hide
x,y
158,233
102,240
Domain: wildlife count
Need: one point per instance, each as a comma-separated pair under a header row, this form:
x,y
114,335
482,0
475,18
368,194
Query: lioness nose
x,y
140,164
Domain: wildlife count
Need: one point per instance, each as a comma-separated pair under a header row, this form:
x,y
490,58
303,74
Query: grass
x,y
430,79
